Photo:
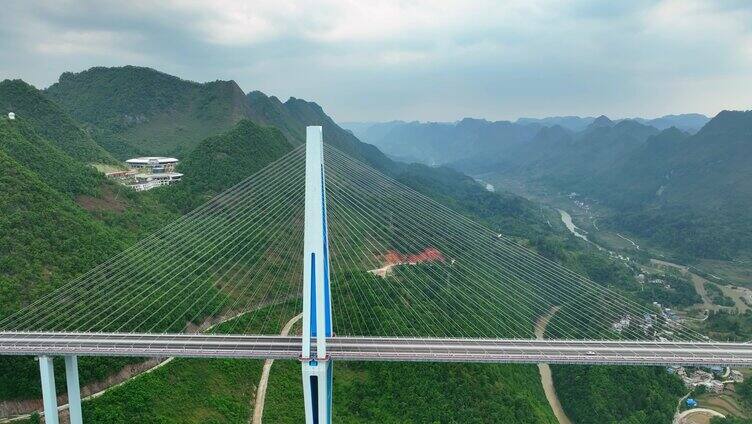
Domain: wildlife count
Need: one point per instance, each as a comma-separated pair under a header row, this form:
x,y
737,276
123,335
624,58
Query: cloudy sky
x,y
427,60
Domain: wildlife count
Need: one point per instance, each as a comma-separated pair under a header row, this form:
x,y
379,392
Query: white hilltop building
x,y
11,116
152,171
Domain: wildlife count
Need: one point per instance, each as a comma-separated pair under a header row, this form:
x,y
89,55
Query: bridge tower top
x,y
317,312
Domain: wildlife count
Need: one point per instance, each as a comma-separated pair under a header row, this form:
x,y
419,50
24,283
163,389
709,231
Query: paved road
x,y
380,349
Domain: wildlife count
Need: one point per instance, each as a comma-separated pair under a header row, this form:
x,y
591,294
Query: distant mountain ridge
x,y
437,143
681,180
688,122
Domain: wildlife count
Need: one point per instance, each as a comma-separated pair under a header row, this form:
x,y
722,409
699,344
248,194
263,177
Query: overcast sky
x,y
428,60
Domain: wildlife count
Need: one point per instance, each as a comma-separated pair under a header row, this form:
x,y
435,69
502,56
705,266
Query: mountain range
x,y
686,189
59,217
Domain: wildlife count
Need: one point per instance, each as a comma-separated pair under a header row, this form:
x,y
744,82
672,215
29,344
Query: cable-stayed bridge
x,y
385,349
379,271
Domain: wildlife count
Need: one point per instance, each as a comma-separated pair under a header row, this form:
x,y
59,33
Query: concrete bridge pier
x,y
74,390
49,393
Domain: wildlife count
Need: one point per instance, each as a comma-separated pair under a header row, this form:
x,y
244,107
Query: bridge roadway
x,y
379,349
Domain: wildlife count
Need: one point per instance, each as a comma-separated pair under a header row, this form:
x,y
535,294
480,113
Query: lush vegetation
x,y
675,291
49,120
137,109
716,295
744,390
55,230
58,218
416,392
724,325
634,395
56,169
730,420
222,161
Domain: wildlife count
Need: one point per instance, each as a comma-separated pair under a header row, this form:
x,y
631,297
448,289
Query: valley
x,y
398,212
609,184
245,132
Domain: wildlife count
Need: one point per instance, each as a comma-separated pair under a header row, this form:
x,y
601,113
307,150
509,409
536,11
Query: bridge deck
x,y
380,349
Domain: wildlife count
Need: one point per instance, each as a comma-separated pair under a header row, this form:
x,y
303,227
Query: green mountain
x,y
140,110
50,121
45,237
292,117
688,192
713,164
437,143
703,195
637,179
19,140
598,147
223,160
61,216
132,110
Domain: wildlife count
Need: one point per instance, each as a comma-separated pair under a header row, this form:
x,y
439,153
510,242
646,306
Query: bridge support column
x,y
49,394
74,390
317,313
317,391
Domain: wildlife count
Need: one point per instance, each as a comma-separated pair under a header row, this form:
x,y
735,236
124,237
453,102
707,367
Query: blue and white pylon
x,y
317,305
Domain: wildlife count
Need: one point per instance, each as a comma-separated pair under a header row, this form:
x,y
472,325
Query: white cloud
x,y
88,42
382,59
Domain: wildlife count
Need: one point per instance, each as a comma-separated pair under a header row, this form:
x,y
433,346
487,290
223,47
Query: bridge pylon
x,y
317,306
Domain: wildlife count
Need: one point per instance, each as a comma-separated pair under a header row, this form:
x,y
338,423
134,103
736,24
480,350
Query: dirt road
x,y
258,408
545,371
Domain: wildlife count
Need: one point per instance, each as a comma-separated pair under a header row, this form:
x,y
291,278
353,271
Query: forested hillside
x,y
49,120
223,160
139,110
61,218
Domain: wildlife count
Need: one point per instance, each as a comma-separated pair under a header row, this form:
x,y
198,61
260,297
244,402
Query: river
x,y
566,218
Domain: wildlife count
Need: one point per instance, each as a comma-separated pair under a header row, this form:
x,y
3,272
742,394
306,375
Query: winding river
x,y
566,218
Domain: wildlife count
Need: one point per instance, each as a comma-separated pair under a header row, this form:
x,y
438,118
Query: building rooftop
x,y
151,159
160,175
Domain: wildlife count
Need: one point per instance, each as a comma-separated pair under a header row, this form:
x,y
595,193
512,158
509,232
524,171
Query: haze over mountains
x,y
679,180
